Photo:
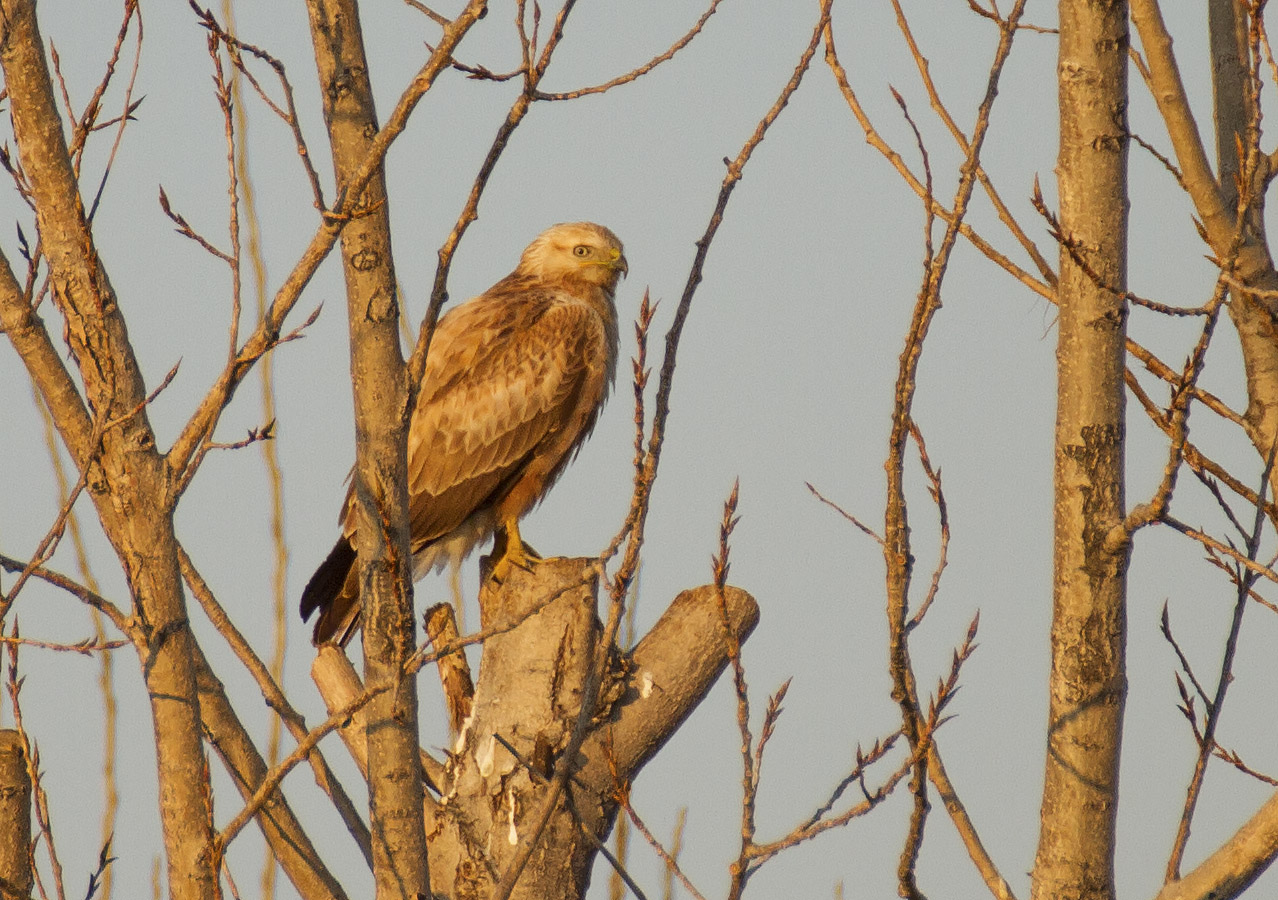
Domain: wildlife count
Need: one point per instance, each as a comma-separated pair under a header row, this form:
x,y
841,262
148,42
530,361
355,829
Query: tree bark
x,y
1240,860
1235,865
15,819
1216,202
128,479
380,384
289,843
528,694
1088,684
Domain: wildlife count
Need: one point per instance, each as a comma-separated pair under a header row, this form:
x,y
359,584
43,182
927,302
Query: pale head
x,y
578,251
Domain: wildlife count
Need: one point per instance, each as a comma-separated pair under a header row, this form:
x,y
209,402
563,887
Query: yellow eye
x,y
581,250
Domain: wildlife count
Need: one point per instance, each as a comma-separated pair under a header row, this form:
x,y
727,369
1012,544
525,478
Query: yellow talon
x,y
509,550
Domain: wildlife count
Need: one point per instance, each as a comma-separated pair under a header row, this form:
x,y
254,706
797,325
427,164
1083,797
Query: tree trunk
x,y
289,843
1217,200
128,479
15,819
381,451
528,695
1088,681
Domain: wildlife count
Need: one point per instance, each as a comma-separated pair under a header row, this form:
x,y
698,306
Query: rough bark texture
x,y
128,479
340,685
454,671
1088,682
381,398
1216,202
15,819
528,693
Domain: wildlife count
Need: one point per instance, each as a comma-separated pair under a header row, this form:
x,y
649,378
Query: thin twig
x,y
1159,368
1211,543
761,853
1236,761
428,12
86,647
266,335
1244,582
619,586
639,383
288,113
897,552
1078,256
845,514
271,782
672,858
739,870
124,623
943,517
1044,286
48,544
1178,429
32,755
861,763
106,675
276,699
128,105
1164,626
669,858
642,70
638,510
588,833
183,227
925,74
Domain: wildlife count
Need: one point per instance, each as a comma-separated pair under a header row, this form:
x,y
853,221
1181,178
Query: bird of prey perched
x,y
514,381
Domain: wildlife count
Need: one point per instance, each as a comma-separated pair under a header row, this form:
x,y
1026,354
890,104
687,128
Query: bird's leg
x,y
510,550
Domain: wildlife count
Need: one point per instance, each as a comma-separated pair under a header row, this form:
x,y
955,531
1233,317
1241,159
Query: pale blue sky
x,y
785,376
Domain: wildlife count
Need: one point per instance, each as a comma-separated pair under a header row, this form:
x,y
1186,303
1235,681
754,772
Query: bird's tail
x,y
332,592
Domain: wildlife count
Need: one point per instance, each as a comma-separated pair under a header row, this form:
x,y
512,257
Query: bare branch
x,y
288,113
270,784
1243,582
265,335
642,70
943,516
669,858
32,756
429,13
644,480
277,701
125,624
866,529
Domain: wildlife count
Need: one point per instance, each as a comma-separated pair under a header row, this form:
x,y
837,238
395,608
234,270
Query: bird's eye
x,y
581,250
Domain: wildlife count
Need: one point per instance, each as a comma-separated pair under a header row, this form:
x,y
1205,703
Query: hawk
x,y
513,385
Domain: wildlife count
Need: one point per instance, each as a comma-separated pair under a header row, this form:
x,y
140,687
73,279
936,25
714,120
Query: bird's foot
x,y
507,555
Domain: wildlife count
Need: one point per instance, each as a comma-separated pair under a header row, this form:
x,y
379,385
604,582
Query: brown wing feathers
x,y
514,382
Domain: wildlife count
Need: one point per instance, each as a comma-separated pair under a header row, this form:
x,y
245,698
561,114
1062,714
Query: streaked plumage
x,y
514,381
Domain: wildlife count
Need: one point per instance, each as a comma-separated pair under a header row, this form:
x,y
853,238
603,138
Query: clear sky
x,y
785,376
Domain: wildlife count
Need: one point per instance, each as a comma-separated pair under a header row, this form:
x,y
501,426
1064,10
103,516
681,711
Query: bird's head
x,y
577,251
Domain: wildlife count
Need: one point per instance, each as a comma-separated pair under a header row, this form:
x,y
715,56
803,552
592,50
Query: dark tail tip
x,y
324,591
